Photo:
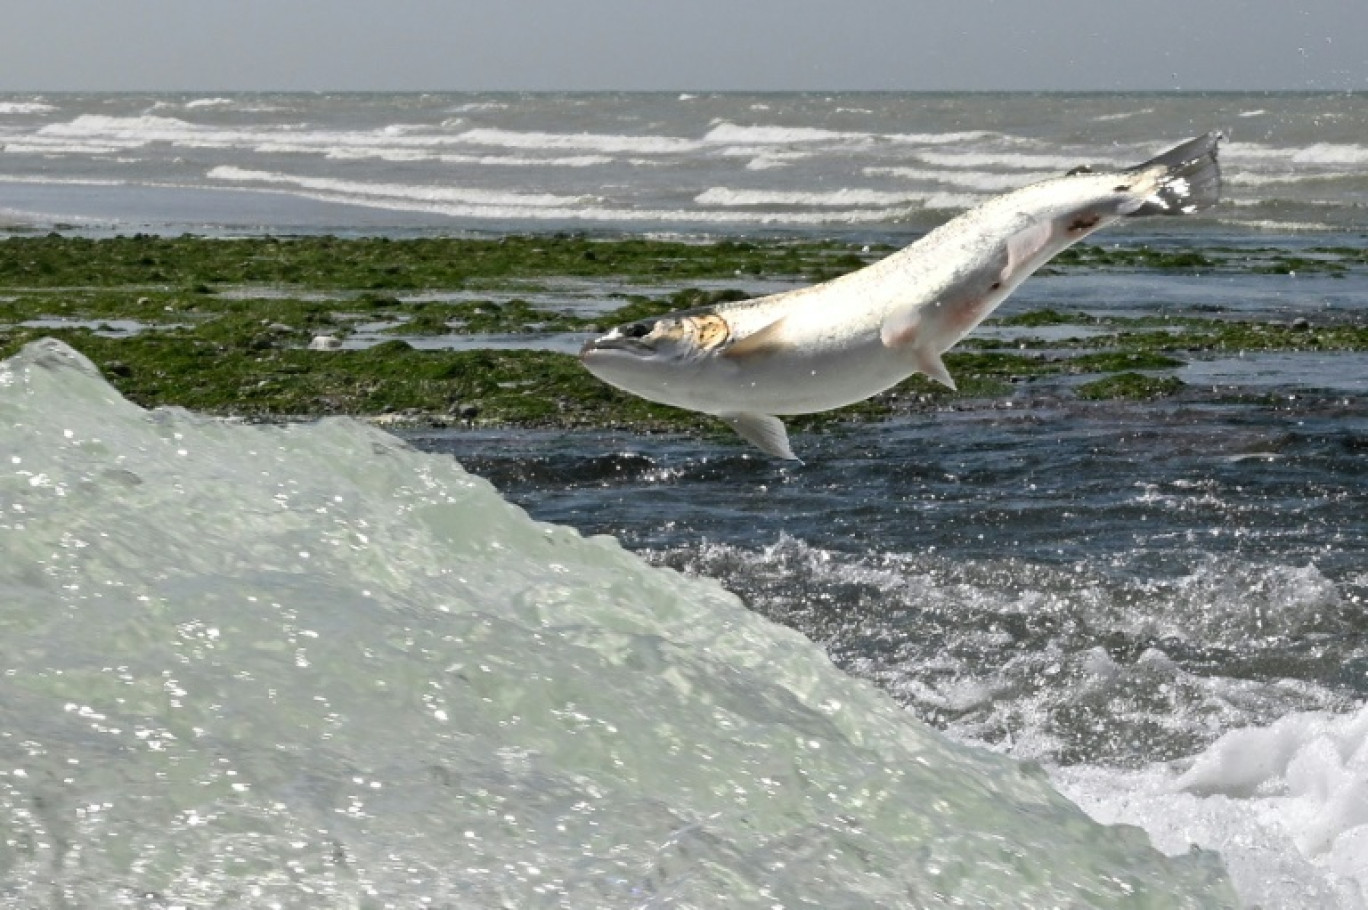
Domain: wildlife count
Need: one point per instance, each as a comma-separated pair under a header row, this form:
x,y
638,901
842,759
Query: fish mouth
x,y
636,338
615,344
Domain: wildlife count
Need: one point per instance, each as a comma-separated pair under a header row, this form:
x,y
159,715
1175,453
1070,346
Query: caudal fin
x,y
1185,178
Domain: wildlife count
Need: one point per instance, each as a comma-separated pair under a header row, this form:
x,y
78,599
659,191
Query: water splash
x,y
311,666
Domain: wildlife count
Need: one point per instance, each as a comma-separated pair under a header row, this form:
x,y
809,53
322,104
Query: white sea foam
x,y
101,134
1124,115
767,160
1029,161
1286,805
725,133
209,102
1320,153
1332,153
590,142
361,190
732,134
476,107
846,197
308,666
983,181
25,107
483,204
334,137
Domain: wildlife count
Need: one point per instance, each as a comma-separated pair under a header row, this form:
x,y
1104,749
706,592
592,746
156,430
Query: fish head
x,y
638,356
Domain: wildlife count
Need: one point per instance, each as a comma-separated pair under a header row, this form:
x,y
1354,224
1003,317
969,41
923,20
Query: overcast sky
x,y
52,45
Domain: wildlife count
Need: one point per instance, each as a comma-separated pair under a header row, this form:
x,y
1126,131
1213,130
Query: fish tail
x,y
1180,181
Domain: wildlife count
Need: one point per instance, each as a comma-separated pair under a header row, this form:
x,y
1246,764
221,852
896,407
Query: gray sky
x,y
52,45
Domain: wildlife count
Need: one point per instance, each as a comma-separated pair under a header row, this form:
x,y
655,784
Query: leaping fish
x,y
842,341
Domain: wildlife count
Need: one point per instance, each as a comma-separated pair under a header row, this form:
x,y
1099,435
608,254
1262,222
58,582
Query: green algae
x,y
224,324
1130,386
385,264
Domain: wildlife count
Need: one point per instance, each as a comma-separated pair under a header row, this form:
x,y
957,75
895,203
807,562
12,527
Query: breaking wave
x,y
307,665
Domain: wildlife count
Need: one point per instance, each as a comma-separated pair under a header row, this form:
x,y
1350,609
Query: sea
x,y
1029,652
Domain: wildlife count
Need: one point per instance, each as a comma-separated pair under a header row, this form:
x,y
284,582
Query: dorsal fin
x,y
765,341
765,431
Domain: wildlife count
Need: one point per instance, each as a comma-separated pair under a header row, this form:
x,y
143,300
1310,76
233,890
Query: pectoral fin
x,y
764,431
1024,249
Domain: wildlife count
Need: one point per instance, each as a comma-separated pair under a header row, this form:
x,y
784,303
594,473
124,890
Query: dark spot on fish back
x,y
1084,222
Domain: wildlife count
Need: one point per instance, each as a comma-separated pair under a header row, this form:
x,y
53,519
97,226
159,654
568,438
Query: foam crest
x,y
1025,161
495,205
209,102
979,181
726,133
1286,804
1320,153
396,191
590,142
25,107
308,666
103,134
844,197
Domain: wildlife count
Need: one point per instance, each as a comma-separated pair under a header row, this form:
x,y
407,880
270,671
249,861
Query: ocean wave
x,y
1019,655
477,107
1285,804
1028,161
726,133
1292,178
592,142
104,134
1124,115
309,665
982,181
1318,153
496,205
725,196
893,203
25,107
397,191
767,160
209,102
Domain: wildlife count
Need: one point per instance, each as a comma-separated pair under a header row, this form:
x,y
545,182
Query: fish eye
x,y
637,329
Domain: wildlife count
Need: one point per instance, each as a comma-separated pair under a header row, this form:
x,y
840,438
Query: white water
x,y
309,666
1286,804
724,161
